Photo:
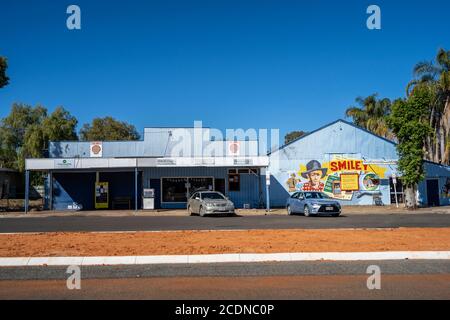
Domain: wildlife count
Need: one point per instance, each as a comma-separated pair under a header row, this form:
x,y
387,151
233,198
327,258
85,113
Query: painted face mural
x,y
340,179
314,174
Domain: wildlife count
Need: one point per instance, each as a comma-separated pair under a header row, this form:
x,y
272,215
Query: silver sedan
x,y
209,203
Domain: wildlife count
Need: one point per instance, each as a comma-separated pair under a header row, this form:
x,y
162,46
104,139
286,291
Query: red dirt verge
x,y
217,242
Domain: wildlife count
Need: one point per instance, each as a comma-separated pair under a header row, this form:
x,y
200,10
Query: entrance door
x,y
156,184
433,192
220,185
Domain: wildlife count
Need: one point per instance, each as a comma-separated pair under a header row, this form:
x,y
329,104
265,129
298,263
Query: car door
x,y
293,202
301,202
194,202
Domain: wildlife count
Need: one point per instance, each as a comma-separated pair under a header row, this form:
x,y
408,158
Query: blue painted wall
x,y
157,142
342,140
337,141
248,194
442,174
70,188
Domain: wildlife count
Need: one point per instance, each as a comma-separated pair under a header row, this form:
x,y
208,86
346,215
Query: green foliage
x,y
409,122
293,135
4,80
26,131
108,129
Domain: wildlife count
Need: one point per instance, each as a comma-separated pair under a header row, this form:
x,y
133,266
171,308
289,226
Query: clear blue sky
x,y
292,65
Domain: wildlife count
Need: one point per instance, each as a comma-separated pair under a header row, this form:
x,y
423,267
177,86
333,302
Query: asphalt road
x,y
136,223
300,280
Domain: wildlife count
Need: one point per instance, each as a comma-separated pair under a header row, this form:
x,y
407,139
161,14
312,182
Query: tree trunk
x,y
445,125
410,198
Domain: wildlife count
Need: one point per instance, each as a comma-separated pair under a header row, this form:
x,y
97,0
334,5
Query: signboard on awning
x,y
96,149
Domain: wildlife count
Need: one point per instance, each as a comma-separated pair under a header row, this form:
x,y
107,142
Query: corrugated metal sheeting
x,y
342,148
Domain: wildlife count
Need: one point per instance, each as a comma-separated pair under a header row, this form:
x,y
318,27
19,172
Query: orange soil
x,y
210,242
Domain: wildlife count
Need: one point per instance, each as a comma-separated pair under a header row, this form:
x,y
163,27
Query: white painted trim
x,y
120,163
224,258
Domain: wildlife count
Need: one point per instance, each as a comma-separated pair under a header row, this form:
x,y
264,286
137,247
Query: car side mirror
x,y
197,198
301,198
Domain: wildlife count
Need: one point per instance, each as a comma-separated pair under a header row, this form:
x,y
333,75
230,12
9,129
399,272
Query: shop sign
x,y
64,164
234,148
101,195
242,162
96,149
161,162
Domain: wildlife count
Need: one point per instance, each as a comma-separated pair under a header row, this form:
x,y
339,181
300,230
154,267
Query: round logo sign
x,y
96,149
234,147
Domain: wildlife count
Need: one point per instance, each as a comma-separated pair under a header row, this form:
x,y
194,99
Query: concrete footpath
x,y
224,258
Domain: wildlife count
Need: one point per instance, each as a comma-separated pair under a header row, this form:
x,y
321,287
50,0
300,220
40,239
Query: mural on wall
x,y
341,179
446,189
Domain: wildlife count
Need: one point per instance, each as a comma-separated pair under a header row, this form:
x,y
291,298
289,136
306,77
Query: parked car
x,y
313,203
209,203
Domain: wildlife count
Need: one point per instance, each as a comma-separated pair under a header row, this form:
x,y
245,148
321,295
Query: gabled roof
x,y
328,125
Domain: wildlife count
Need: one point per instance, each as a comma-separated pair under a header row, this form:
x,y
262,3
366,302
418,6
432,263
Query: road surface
x,y
300,280
136,223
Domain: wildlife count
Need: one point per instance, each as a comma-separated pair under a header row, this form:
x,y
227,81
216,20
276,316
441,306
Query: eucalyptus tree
x,y
435,75
4,80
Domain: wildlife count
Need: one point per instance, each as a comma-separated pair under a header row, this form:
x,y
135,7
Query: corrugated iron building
x,y
351,165
174,162
346,162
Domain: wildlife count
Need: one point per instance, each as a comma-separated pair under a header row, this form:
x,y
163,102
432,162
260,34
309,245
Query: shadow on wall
x,y
277,192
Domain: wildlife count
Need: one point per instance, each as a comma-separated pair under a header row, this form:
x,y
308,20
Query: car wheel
x,y
289,211
306,211
336,215
201,212
190,211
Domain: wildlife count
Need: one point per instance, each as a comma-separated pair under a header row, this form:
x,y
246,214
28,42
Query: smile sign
x,y
351,165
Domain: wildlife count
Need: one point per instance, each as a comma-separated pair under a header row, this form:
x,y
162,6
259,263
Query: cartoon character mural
x,y
292,182
314,174
339,178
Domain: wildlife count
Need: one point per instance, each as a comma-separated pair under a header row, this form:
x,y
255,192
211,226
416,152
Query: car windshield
x,y
212,196
316,195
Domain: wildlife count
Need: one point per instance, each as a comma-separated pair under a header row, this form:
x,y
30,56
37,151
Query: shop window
x,y
399,188
174,190
234,182
197,184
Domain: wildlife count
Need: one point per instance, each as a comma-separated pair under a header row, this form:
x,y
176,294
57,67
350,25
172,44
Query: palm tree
x,y
436,76
371,114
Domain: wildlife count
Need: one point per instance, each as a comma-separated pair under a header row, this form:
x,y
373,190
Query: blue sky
x,y
292,65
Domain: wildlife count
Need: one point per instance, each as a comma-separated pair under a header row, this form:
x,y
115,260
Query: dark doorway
x,y
433,193
121,189
219,184
156,184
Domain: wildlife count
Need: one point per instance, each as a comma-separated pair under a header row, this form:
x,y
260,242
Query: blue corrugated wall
x,y
70,188
248,194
